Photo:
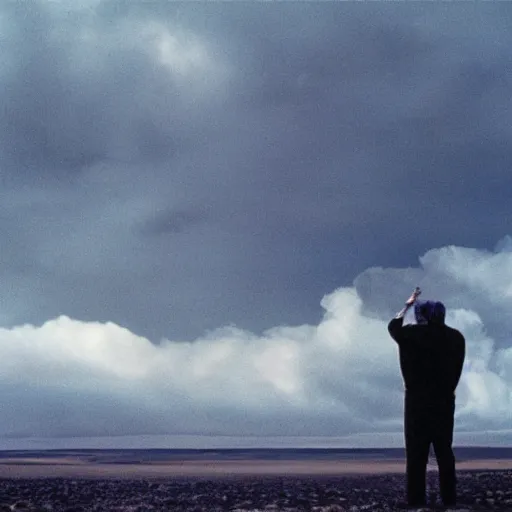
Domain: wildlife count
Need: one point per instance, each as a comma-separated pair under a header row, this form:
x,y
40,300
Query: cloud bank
x,y
184,165
337,378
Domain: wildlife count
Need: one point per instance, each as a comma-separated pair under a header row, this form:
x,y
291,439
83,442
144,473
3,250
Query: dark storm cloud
x,y
286,148
169,222
44,119
72,99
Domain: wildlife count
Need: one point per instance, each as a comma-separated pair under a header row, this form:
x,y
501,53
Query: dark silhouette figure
x,y
431,359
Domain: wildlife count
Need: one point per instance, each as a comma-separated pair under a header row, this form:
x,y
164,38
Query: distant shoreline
x,y
161,463
150,455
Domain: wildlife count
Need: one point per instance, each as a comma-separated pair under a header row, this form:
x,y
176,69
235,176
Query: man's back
x,y
431,358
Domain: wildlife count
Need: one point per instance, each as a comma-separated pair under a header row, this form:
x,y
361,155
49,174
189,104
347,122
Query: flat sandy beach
x,y
136,481
74,467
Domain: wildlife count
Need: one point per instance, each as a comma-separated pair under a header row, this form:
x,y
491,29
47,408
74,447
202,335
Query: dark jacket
x,y
431,358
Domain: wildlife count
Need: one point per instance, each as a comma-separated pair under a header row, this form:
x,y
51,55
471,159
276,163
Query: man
x,y
431,359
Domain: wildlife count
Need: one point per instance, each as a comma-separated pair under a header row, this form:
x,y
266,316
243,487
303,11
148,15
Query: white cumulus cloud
x,y
340,377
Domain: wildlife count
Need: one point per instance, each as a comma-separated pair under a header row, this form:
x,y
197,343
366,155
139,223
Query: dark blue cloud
x,y
322,139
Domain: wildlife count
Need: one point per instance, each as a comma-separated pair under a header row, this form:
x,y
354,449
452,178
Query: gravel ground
x,y
478,490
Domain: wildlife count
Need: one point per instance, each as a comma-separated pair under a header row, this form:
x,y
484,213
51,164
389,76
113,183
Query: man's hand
x,y
409,302
412,299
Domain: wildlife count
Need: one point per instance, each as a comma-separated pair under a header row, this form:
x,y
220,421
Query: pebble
x,y
477,491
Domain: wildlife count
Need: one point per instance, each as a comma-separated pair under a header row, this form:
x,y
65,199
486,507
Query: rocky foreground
x,y
482,490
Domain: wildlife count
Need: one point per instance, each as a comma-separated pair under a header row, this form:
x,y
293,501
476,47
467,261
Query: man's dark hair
x,y
429,312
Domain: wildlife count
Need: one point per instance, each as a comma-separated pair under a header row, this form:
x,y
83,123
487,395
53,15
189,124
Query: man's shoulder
x,y
455,334
416,327
400,332
398,323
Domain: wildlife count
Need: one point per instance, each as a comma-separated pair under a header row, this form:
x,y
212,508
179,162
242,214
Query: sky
x,y
210,211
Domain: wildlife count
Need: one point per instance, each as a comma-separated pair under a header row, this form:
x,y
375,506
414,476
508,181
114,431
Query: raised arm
x,y
409,302
395,326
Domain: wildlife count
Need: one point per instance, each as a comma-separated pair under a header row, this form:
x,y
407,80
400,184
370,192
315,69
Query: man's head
x,y
429,312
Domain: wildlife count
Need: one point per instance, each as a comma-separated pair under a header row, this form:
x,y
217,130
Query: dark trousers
x,y
429,421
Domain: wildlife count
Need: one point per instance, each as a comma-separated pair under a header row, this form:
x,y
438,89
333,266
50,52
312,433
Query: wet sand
x,y
75,467
206,468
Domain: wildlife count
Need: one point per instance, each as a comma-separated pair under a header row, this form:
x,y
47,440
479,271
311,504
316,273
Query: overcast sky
x,y
209,211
